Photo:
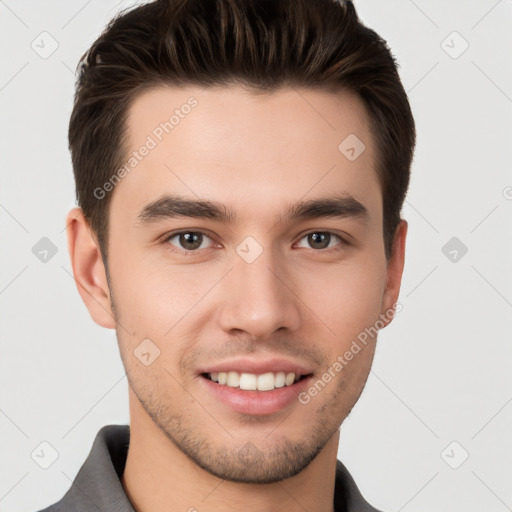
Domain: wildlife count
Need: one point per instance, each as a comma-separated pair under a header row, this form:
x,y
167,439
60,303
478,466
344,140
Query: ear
x,y
88,268
395,268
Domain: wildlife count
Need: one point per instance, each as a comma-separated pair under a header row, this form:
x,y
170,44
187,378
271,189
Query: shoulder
x,y
97,485
347,496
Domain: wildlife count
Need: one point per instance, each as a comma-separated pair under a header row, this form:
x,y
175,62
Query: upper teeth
x,y
251,381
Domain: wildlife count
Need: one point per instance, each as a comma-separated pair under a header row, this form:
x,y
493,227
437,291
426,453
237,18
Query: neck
x,y
158,477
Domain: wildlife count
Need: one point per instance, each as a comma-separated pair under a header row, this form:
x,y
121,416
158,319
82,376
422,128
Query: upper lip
x,y
258,366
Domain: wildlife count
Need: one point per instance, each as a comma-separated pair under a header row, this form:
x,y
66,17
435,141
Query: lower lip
x,y
257,402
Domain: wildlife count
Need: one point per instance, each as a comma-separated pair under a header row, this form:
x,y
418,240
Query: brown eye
x,y
188,240
322,240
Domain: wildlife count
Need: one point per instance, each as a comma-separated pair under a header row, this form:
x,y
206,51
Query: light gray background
x,y
442,370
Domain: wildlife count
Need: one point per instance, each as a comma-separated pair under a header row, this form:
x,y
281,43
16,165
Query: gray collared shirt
x,y
97,486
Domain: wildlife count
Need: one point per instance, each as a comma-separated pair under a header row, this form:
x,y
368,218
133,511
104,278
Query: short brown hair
x,y
260,44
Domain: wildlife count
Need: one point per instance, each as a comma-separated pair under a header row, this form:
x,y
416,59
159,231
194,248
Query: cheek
x,y
158,300
153,306
346,298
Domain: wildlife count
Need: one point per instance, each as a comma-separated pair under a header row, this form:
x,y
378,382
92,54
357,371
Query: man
x,y
240,169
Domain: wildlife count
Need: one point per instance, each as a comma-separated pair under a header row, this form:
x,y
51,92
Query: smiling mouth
x,y
255,382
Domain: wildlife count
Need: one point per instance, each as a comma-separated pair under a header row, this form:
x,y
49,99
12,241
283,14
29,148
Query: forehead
x,y
282,116
226,143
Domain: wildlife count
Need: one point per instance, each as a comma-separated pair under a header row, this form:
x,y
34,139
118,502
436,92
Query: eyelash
x,y
328,250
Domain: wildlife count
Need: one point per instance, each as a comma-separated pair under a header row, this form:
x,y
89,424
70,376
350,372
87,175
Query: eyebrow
x,y
173,206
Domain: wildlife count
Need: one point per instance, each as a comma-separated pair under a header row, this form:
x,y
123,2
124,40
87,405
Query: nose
x,y
259,297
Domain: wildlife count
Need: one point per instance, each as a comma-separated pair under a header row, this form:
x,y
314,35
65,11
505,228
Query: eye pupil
x,y
187,239
321,238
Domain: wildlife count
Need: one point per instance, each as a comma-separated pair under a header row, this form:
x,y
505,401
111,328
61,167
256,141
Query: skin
x,y
256,155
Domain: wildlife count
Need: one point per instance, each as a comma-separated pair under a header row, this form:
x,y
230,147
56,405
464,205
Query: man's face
x,y
267,292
